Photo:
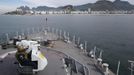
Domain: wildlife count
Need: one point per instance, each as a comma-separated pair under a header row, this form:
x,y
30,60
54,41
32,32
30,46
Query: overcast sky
x,y
8,5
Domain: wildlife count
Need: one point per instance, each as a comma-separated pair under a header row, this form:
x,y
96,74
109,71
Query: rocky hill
x,y
100,5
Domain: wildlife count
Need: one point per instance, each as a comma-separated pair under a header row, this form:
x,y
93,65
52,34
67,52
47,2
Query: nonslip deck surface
x,y
54,67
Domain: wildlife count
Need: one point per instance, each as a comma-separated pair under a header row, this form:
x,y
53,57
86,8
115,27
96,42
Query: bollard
x,y
99,61
106,69
81,46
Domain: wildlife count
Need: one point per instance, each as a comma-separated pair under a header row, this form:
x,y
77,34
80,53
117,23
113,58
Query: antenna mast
x,y
118,68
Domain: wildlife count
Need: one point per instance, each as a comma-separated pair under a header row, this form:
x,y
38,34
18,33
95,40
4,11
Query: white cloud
x,y
38,2
55,3
52,3
4,9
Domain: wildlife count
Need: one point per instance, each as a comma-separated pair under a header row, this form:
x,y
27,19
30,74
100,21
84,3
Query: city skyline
x,y
6,5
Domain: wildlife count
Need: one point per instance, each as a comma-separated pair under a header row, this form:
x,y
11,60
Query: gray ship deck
x,y
54,55
72,51
54,67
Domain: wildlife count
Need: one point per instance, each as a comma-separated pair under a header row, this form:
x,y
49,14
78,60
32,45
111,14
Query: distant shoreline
x,y
67,14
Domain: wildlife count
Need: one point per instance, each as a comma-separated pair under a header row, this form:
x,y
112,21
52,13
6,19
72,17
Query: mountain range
x,y
100,5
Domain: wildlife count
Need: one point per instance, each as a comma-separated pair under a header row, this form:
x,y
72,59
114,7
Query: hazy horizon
x,y
6,5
